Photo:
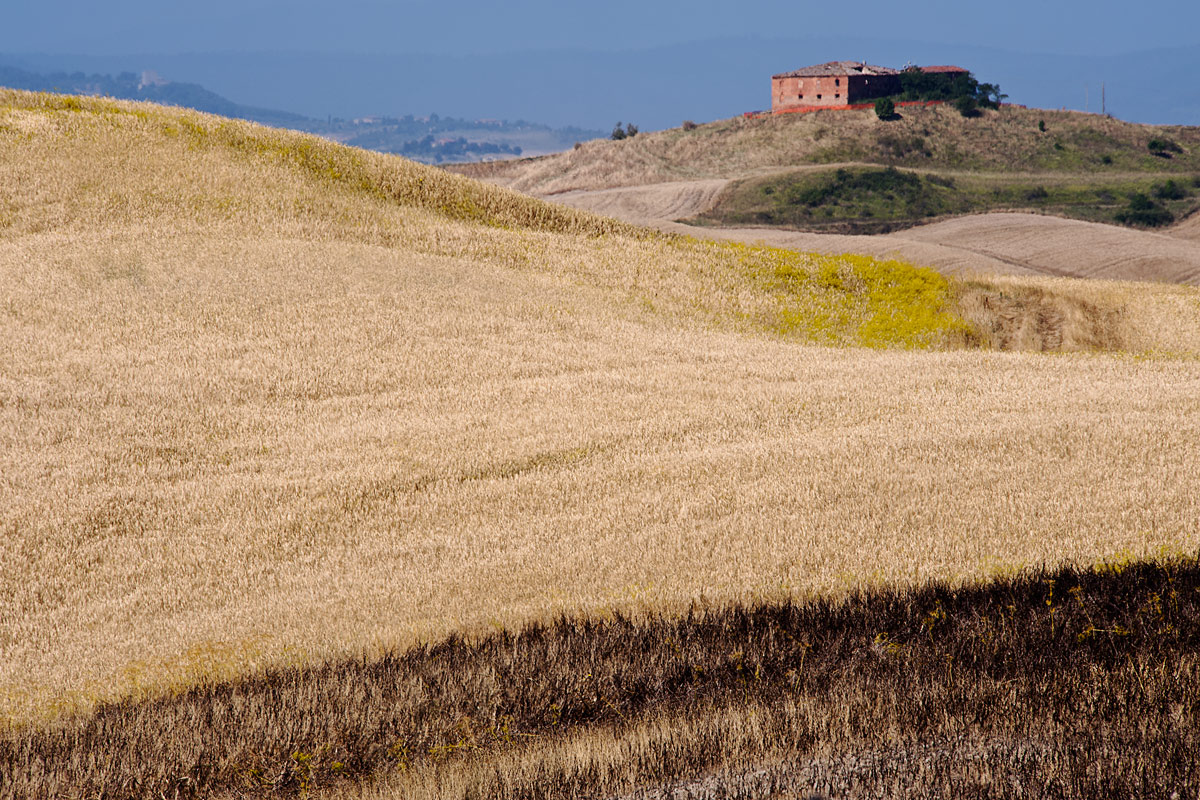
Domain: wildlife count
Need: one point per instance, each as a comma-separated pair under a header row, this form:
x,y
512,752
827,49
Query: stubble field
x,y
269,402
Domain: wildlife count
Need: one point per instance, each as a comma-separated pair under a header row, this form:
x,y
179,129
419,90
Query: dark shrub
x,y
1163,148
1144,212
1170,191
967,105
885,109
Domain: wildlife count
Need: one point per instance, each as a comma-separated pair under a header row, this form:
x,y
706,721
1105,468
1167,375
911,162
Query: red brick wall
x,y
836,90
824,91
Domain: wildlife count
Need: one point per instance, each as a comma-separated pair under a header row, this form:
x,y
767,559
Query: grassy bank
x,y
1081,683
878,200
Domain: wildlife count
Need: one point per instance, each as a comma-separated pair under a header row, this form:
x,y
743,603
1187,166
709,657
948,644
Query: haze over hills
x,y
655,87
431,139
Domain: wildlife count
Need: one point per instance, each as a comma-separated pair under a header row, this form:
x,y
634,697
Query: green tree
x,y
1144,212
990,96
1170,191
884,108
627,132
967,105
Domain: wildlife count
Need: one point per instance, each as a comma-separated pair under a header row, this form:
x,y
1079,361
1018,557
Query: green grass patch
x,y
881,199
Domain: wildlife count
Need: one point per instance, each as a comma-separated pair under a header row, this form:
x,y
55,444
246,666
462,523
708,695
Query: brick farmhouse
x,y
838,84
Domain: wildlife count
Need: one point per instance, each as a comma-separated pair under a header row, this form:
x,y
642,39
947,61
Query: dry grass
x,y
1082,681
1070,686
268,401
938,138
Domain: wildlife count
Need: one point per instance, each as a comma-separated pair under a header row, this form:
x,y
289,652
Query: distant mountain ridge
x,y
431,140
657,87
146,86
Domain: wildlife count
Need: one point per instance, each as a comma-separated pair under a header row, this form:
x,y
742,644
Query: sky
x,y
590,63
465,27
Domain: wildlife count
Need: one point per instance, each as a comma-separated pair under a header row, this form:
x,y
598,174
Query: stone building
x,y
841,83
838,83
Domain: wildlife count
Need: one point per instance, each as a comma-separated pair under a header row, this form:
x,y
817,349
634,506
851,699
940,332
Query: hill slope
x,y
735,171
267,401
937,138
1188,228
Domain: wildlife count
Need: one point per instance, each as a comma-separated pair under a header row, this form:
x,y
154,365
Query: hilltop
x,y
323,468
834,181
1008,141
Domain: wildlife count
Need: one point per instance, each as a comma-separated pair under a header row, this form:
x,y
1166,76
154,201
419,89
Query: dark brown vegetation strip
x,y
1079,667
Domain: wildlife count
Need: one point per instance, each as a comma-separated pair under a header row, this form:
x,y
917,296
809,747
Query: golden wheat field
x,y
267,400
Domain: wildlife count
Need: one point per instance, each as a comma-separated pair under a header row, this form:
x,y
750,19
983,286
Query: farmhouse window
x,y
818,97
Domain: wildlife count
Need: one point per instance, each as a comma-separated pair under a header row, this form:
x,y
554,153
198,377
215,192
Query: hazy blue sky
x,y
465,27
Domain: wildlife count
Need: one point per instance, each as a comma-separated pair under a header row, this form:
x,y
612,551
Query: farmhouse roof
x,y
942,68
836,68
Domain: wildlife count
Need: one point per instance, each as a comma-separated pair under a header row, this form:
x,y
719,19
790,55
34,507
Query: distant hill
x,y
1012,140
438,140
150,87
657,87
828,179
430,140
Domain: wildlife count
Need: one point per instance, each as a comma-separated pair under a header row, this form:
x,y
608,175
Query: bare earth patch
x,y
1188,228
998,243
655,203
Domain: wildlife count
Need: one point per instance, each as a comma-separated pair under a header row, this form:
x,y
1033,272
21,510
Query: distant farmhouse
x,y
841,83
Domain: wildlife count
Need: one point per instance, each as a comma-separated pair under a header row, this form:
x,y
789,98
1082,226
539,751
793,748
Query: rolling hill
x,y
731,179
327,472
938,138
